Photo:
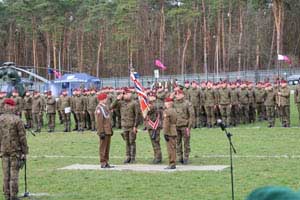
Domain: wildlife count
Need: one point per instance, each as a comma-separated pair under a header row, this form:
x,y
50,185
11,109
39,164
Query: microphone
x,y
221,124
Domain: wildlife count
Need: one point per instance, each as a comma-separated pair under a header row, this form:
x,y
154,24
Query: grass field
x,y
264,157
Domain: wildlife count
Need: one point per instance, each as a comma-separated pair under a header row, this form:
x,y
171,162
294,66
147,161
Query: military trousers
x,y
10,173
80,115
67,121
285,112
202,116
92,118
244,113
42,118
225,113
183,150
252,113
37,121
234,114
210,115
116,118
60,115
260,107
75,120
104,148
51,121
197,116
130,137
270,112
28,117
155,141
171,148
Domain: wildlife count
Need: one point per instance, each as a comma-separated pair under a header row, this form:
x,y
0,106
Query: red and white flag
x,y
284,58
143,99
160,65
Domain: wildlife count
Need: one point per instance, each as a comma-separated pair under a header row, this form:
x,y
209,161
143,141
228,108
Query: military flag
x,y
143,99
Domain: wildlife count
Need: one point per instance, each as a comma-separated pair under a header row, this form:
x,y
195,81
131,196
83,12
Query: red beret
x,y
283,81
127,90
186,82
168,99
10,102
102,96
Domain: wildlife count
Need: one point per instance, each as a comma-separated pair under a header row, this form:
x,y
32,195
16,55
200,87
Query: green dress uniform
x,y
91,107
66,108
260,99
37,109
195,97
244,105
235,106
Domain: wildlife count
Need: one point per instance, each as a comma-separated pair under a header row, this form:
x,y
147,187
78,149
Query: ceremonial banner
x,y
143,100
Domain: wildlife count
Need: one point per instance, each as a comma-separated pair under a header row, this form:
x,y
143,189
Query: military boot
x,y
127,160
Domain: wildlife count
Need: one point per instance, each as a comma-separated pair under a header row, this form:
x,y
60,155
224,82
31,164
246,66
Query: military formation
x,y
173,112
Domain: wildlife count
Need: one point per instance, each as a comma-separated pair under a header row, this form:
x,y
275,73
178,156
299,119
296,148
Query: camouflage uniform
x,y
28,110
129,120
65,105
1,105
234,98
37,108
19,105
43,98
169,129
202,114
209,102
284,105
185,120
79,109
260,99
252,107
72,101
225,107
91,107
13,145
195,97
154,114
244,105
297,100
270,101
86,117
51,112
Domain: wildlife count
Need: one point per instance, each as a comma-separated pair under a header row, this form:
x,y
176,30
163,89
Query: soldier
x,y
284,103
44,99
170,133
234,99
153,125
59,109
209,103
252,100
297,100
28,109
195,97
79,109
86,120
129,123
225,103
270,101
19,103
185,121
91,107
72,103
244,103
104,129
160,97
260,99
203,117
51,111
37,107
13,149
66,108
186,90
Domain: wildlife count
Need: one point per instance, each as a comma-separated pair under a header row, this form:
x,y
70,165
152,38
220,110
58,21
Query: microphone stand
x,y
232,149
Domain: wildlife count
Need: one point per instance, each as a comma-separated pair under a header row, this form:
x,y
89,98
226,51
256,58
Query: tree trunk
x,y
204,39
195,40
240,36
99,51
162,32
188,37
229,35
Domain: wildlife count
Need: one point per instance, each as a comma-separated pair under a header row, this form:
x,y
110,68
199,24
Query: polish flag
x,y
160,65
284,58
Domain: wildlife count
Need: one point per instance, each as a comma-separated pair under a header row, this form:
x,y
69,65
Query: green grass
x,y
209,147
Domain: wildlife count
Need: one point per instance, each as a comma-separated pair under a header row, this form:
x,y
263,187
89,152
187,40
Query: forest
x,y
107,37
